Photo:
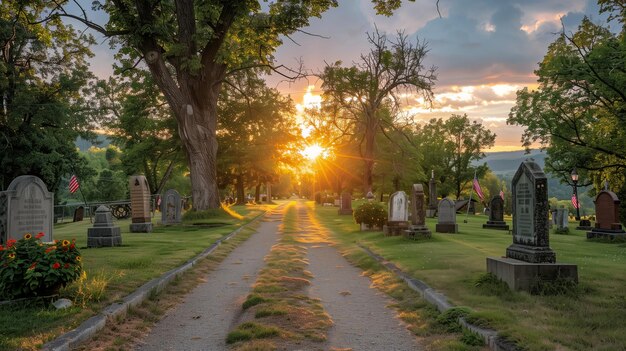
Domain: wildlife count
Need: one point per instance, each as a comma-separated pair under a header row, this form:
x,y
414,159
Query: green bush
x,y
371,214
207,214
30,268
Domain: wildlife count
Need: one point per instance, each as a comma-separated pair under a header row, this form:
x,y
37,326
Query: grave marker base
x,y
500,225
141,227
447,228
520,275
531,254
417,231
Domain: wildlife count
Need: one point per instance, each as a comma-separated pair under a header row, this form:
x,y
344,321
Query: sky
x,y
484,51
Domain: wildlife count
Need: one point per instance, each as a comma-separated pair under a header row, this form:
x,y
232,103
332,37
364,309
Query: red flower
x,y
56,265
1,248
50,248
11,242
40,235
32,266
72,246
66,266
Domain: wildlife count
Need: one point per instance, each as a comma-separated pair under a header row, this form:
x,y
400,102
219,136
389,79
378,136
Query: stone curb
x,y
91,326
438,299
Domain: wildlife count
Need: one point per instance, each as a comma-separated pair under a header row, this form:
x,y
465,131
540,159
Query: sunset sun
x,y
314,151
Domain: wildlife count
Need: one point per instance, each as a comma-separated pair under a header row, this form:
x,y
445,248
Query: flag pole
x,y
470,199
80,189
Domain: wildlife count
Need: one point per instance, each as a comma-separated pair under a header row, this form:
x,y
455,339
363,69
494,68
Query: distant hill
x,y
84,145
502,163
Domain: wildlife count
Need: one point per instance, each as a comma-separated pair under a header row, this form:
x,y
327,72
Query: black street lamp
x,y
575,180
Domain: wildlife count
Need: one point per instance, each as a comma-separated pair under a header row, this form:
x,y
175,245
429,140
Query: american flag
x,y
575,201
477,189
502,194
74,184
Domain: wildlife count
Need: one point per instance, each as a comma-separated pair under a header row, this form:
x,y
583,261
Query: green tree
x,y
451,146
43,83
366,92
191,47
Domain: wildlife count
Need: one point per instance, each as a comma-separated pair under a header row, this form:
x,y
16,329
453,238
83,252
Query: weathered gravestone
x,y
79,214
446,212
562,219
496,214
398,210
140,205
418,214
103,233
608,223
345,205
171,207
431,212
530,260
26,207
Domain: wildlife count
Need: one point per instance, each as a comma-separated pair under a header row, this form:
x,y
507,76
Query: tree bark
x,y
241,200
257,193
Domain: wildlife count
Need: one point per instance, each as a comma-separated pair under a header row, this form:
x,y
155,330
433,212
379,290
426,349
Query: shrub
x,y
31,268
371,214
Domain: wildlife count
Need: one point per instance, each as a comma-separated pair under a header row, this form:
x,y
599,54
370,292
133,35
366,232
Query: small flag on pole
x,y
74,184
575,201
502,195
477,189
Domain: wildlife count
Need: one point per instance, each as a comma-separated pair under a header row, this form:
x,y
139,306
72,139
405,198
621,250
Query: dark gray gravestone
x,y
432,196
418,214
103,233
140,204
26,207
345,206
530,260
171,207
608,223
79,214
496,214
446,213
398,214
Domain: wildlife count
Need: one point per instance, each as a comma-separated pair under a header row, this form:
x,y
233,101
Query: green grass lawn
x,y
592,318
113,273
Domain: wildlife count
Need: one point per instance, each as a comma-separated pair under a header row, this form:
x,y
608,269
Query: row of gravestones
x,y
27,207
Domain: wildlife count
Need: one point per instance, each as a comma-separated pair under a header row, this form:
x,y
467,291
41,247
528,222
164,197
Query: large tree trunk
x,y
241,200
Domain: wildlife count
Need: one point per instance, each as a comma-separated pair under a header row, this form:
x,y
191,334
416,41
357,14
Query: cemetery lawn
x,y
591,317
113,272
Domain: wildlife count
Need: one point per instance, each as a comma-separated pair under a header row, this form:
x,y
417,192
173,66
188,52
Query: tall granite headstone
x,y
431,212
345,205
140,204
26,207
171,207
79,214
530,259
562,219
447,217
496,214
608,224
418,214
103,233
398,214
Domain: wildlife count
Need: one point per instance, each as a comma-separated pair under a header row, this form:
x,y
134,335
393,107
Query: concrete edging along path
x,y
96,323
436,298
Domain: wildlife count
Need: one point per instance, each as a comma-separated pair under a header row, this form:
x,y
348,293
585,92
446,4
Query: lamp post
x,y
575,181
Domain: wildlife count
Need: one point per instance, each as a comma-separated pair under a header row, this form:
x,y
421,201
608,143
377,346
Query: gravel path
x,y
361,319
203,319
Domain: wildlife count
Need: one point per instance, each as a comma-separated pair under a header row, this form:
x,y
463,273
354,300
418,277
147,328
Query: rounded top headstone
x,y
103,208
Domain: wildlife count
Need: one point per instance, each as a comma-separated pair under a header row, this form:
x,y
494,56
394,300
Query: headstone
x,y
398,214
140,204
26,207
171,207
431,212
608,224
553,221
79,214
418,214
447,217
496,214
530,260
103,233
562,217
345,205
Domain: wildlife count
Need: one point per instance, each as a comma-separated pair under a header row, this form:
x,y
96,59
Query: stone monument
x,y
530,260
496,214
140,204
79,214
26,207
418,214
398,218
447,217
608,223
562,218
171,207
431,212
103,233
345,205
